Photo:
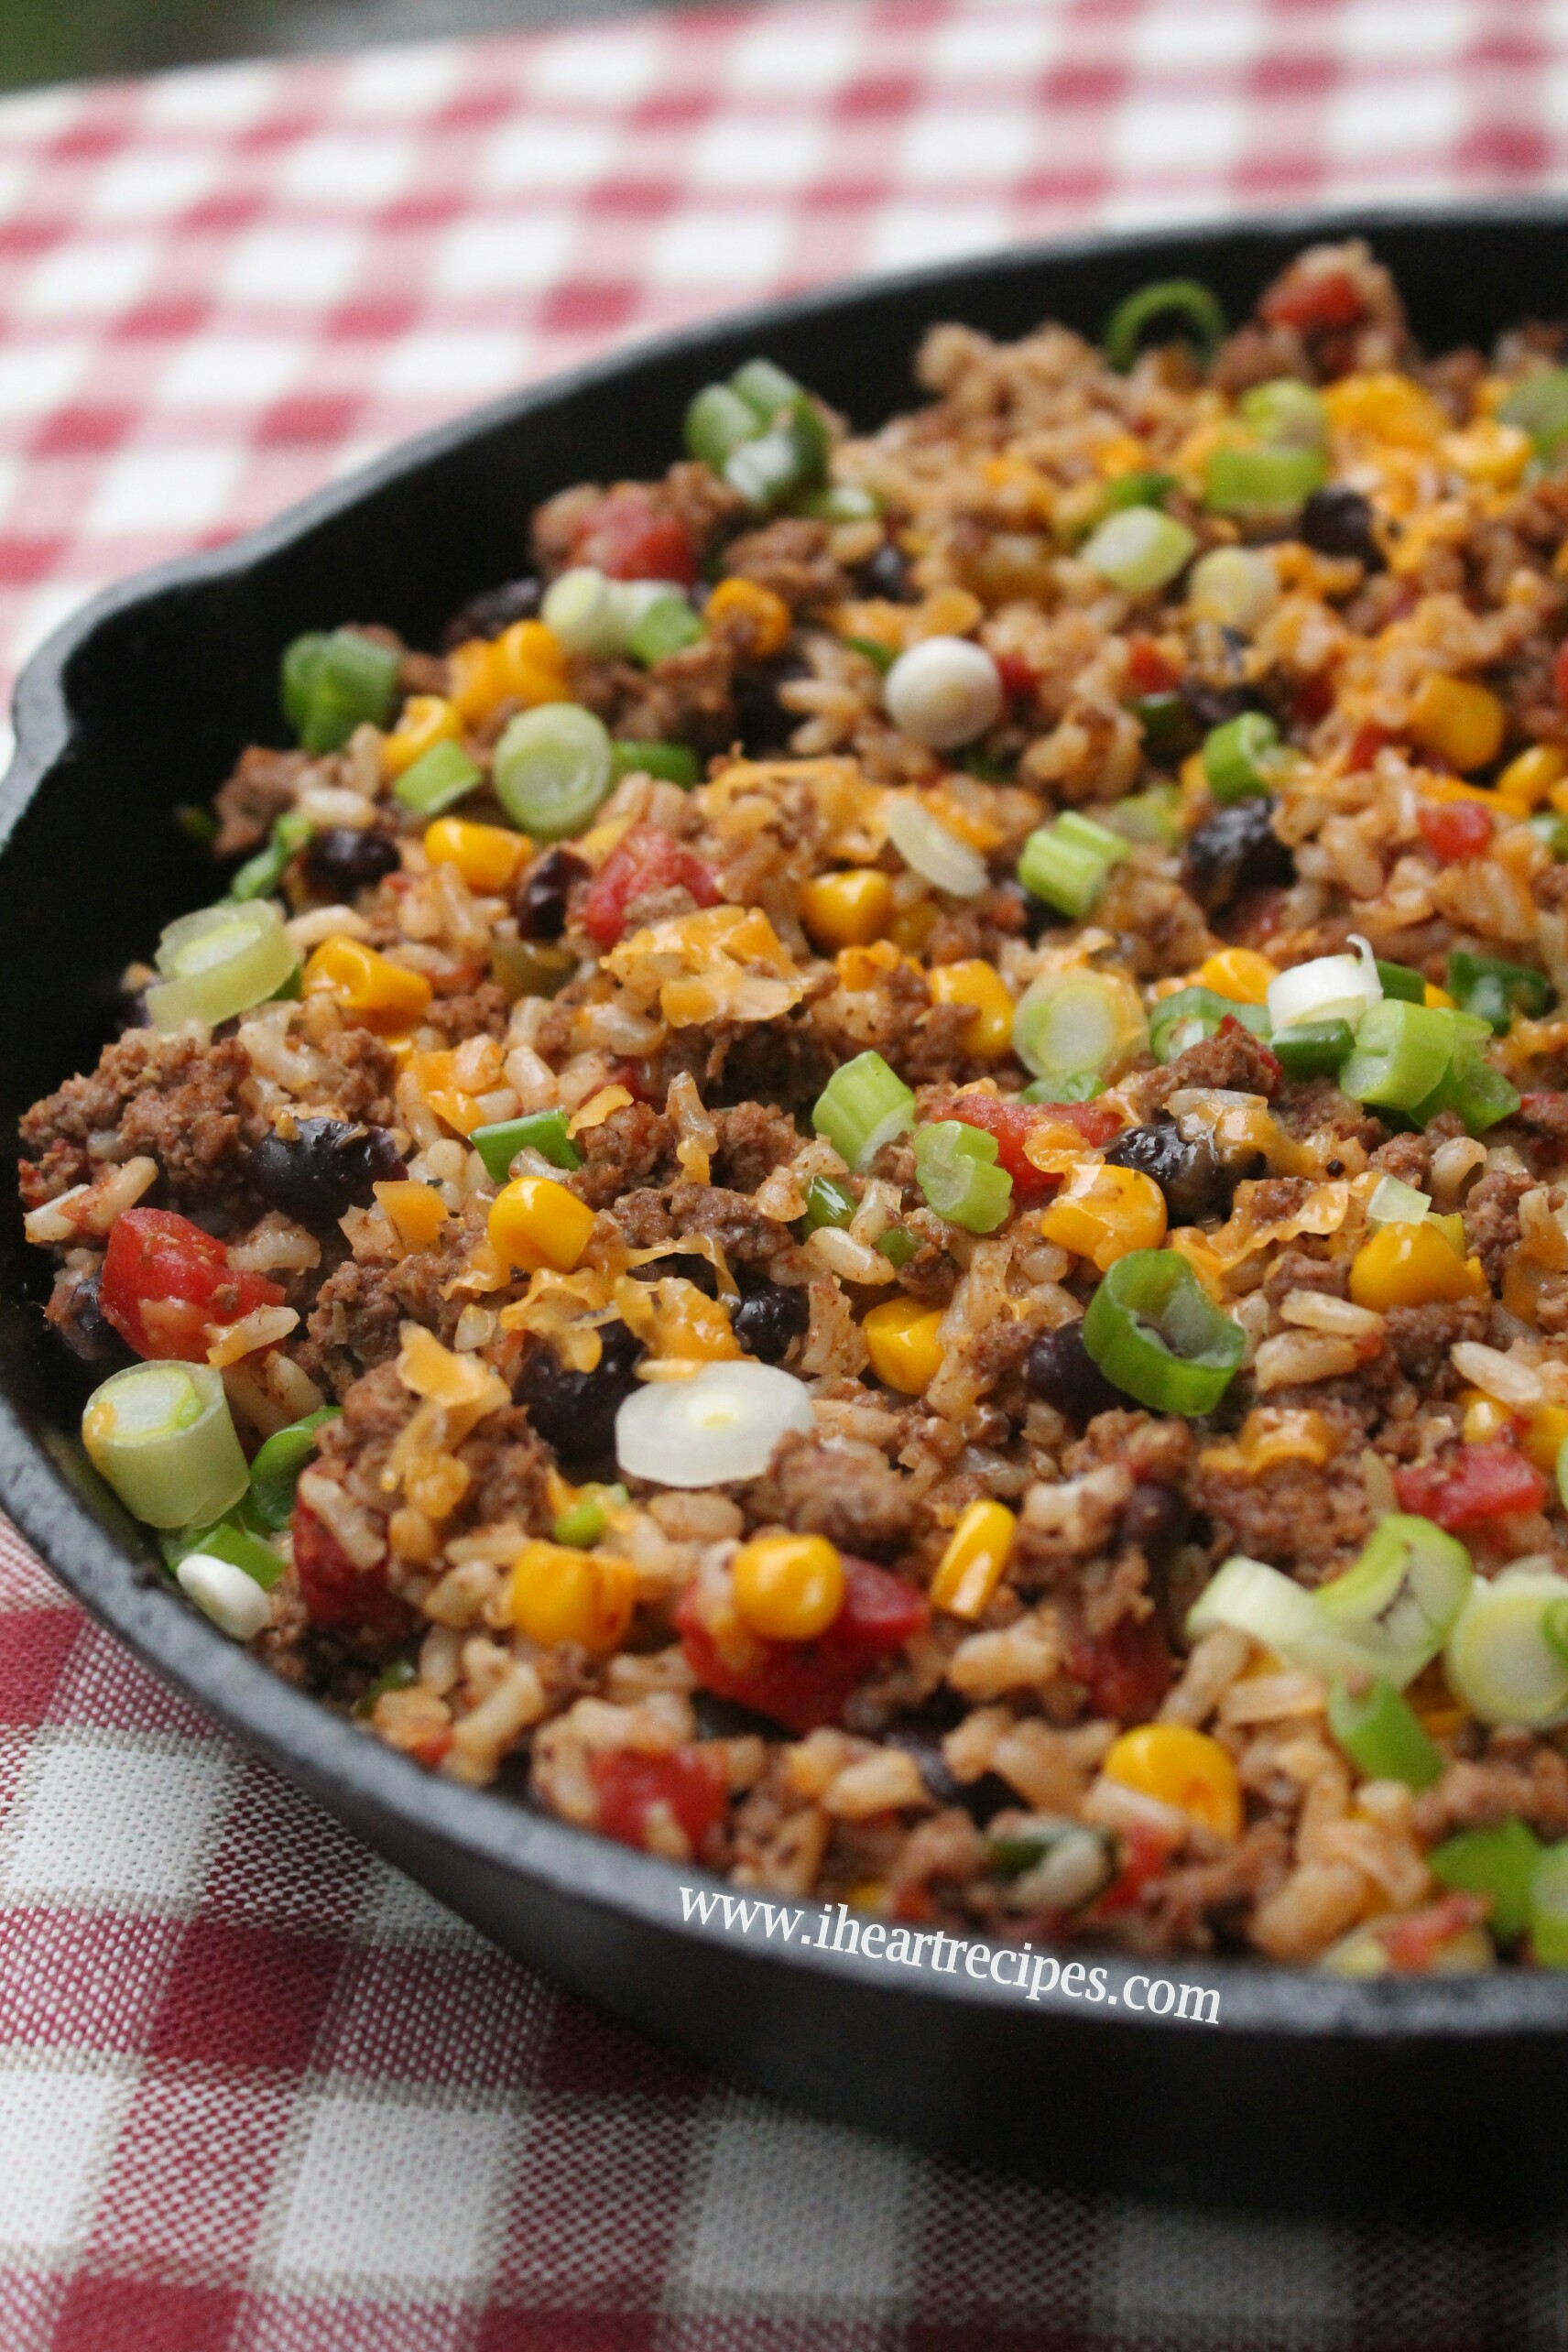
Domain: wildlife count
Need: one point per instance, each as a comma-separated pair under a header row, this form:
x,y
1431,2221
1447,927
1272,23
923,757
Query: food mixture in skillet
x,y
874,1193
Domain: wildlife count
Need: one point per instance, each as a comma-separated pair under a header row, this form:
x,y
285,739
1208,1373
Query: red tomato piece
x,y
1454,830
1559,673
644,859
1128,1673
631,536
1312,700
1413,1944
1312,299
1148,670
336,1593
804,1684
1012,1123
690,1783
1145,1851
1365,745
1471,1485
165,1281
1018,675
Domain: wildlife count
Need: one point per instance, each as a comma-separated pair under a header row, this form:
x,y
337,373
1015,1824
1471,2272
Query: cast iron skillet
x,y
1307,2090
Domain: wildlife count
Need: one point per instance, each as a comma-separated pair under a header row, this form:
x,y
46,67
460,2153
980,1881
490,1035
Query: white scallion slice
x,y
587,613
235,1602
1074,1021
1397,1203
1401,1597
721,1424
1500,1660
219,961
552,767
1237,587
161,1436
1279,1614
945,691
927,846
1329,988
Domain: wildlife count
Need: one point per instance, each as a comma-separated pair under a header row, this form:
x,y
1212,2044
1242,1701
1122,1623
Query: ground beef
x,y
1307,1108
1520,1777
1234,1060
1295,1516
1259,354
1420,1338
1189,1902
509,1467
1408,1158
360,1074
484,1011
169,1097
1491,1218
791,557
754,1139
695,496
736,1224
634,1146
1546,1114
844,1491
685,697
1154,1450
1295,1271
359,1308
261,788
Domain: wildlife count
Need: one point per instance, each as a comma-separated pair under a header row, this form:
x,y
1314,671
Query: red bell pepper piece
x,y
644,859
1312,299
1471,1485
336,1593
1012,1123
1148,670
1128,1673
1454,830
631,536
1144,1853
690,1785
165,1282
804,1684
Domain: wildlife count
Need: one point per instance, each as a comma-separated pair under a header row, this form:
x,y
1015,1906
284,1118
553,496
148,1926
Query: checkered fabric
x,y
257,2093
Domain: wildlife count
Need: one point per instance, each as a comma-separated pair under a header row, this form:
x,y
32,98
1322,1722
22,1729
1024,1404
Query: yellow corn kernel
x,y
415,1212
973,982
425,721
1411,1266
1122,454
535,1222
1181,1768
378,992
474,677
1461,722
906,1353
770,617
1483,1417
596,845
1529,778
1489,453
788,1587
847,909
1386,408
487,857
559,1594
1437,998
913,926
975,1561
1543,1434
1239,973
1102,1212
527,665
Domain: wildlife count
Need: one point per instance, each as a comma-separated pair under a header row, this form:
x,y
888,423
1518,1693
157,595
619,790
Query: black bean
x,y
1033,915
1235,850
1337,520
766,1322
325,1167
887,574
1060,1371
684,1265
133,1013
540,899
575,1412
1214,707
980,1799
486,616
761,722
1155,1518
85,1328
346,858
1192,1180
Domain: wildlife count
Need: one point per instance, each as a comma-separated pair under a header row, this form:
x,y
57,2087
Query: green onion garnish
x,y
1139,549
436,779
837,501
881,657
219,961
160,1434
1241,756
1494,990
275,1466
540,1131
401,1675
260,874
1549,1907
1262,482
531,967
1155,1333
718,422
670,762
864,1106
1068,863
1169,730
1540,405
1137,490
553,767
1078,1086
669,625
955,1169
1471,1087
896,1246
1186,299
333,684
584,1521
1552,829
1191,1014
1402,1052
1077,1023
1498,1862
1288,412
1399,980
828,1202
1315,1049
228,1540
1382,1736
1401,1598
1505,1659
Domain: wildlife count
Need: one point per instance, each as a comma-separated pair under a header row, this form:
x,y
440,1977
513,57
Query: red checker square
x,y
582,307
25,562
34,1647
470,2020
193,2168
590,2056
522,2330
306,418
77,428
108,2314
245,1997
163,319
590,2221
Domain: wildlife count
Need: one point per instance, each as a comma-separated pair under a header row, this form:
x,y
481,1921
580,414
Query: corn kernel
x,y
378,992
973,982
535,1222
415,1212
474,677
1181,1768
788,1587
559,1594
1485,1417
913,926
847,909
770,617
975,1561
1411,1266
1543,1434
906,1353
1437,999
527,665
1529,778
1489,453
487,857
1102,1212
1386,408
425,721
1461,722
1239,973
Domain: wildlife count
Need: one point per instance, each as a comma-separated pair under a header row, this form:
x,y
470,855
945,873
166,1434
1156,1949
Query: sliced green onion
x,y
765,388
1078,1086
828,1202
1315,1049
896,1246
588,612
1137,490
436,779
1397,1203
1329,988
1404,1595
1471,1087
219,961
1287,411
1382,1734
1540,405
540,1131
1155,1333
1399,980
161,1436
1074,826
1235,587
1493,990
223,1591
670,762
1067,864
1190,1015
401,1675
1169,731
584,1521
199,826
837,501
260,874
1278,1614
717,421
333,684
1549,1907
721,1424
301,664
881,657
1262,482
864,1106
1078,1022
930,849
1152,816
1500,1663
277,1464
529,967
1186,299
955,1169
1139,549
1500,1862
1552,829
669,625
776,466
1241,756
230,1540
553,767
1402,1052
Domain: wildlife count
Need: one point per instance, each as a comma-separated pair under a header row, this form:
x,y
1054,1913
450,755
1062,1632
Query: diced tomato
x,y
1012,1123
1471,1485
1559,673
1018,675
1148,670
691,1784
803,1683
336,1593
1127,1673
1312,700
630,536
1365,745
1313,298
1454,830
1413,1944
1145,1852
644,859
165,1281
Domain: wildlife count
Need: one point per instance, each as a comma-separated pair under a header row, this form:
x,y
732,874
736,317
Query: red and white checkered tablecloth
x,y
257,2093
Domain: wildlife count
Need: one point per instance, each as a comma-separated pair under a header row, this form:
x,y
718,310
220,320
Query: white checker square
x,y
415,80
208,98
981,45
599,68
349,174
1158,2268
223,371
151,184
451,364
1156,137
553,158
951,142
1190,39
394,2191
904,234
719,249
57,2133
292,267
1383,32
519,254
90,276
798,2213
395,1910
113,1820
1367,123
37,377
804,58
737,157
